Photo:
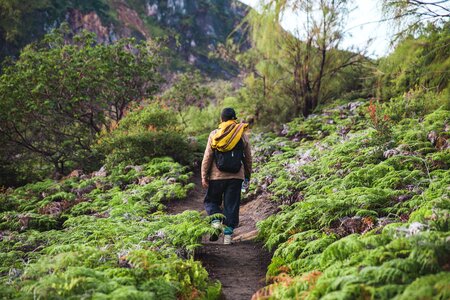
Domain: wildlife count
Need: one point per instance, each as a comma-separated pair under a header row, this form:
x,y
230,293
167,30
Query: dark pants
x,y
230,191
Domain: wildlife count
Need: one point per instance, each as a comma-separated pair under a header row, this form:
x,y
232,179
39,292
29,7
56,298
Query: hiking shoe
x,y
227,239
228,231
217,225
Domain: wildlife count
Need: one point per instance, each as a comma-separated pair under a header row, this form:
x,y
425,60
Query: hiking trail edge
x,y
241,267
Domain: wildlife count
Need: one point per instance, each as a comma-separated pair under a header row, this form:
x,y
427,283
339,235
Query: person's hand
x,y
204,183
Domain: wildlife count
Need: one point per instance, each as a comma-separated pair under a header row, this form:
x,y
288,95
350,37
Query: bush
x,y
145,133
103,237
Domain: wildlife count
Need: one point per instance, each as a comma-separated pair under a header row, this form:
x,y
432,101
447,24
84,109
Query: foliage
x,y
187,91
304,69
360,217
69,90
21,23
410,16
418,65
144,133
103,237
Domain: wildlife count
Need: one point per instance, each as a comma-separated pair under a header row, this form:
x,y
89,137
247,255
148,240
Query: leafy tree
x,y
418,63
61,92
301,66
187,91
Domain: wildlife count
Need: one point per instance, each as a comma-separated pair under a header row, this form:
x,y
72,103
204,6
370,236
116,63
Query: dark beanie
x,y
228,114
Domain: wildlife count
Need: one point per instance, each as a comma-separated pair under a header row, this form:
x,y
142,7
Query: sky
x,y
362,25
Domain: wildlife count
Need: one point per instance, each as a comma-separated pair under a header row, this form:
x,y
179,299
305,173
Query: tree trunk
x,y
306,82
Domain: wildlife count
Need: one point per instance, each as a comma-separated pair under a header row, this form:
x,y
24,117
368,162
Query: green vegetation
x,y
358,160
101,237
21,22
187,91
144,133
366,212
418,64
363,186
291,74
68,93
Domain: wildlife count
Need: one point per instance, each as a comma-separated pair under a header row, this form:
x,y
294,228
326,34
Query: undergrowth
x,y
364,196
103,236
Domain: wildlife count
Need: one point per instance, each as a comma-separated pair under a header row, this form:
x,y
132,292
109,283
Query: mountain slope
x,y
365,194
193,28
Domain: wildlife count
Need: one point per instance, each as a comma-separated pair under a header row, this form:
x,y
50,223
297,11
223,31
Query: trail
x,y
240,267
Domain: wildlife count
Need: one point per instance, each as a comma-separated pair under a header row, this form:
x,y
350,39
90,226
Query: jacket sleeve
x,y
247,157
208,158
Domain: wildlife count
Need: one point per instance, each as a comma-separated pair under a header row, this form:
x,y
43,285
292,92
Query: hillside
x,y
103,235
194,28
365,204
364,212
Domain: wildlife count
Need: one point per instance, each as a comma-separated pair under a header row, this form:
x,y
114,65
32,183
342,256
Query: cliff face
x,y
194,27
201,25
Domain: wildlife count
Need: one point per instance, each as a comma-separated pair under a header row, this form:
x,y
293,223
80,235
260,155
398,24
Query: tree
x,y
418,64
302,64
61,92
186,91
411,15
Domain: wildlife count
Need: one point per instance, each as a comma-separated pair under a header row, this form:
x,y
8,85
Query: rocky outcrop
x,y
91,22
200,25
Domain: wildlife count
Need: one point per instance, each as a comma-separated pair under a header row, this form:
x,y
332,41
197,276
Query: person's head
x,y
228,114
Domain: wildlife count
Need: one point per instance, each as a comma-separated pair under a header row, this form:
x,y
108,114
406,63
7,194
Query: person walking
x,y
227,162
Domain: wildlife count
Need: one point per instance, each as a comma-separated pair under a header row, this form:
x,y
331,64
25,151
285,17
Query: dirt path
x,y
240,267
194,200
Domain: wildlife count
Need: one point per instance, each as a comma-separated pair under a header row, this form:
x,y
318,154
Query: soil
x,y
194,200
240,267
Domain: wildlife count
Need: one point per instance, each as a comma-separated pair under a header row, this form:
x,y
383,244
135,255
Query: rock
x,y
354,105
343,131
85,176
101,215
285,130
75,173
138,169
403,198
145,180
390,153
432,137
128,168
246,236
24,221
85,190
171,180
442,143
100,173
278,152
415,228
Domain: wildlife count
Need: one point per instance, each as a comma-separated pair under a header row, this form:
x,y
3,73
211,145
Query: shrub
x,y
143,134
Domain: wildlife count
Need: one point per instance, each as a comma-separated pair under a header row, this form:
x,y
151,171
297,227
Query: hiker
x,y
227,162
